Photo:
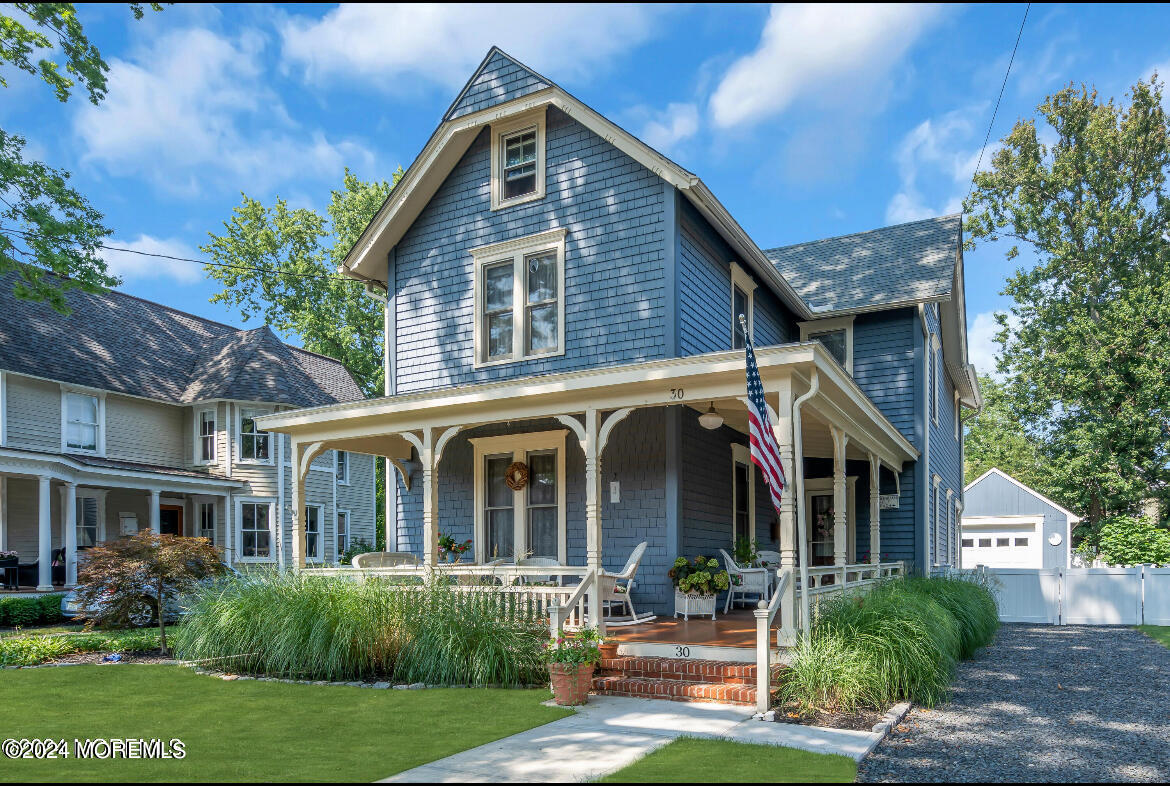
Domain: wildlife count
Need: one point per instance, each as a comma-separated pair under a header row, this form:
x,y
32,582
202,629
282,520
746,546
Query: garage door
x,y
1002,541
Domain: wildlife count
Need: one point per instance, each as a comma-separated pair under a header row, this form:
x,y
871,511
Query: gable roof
x,y
897,265
117,342
1072,517
498,79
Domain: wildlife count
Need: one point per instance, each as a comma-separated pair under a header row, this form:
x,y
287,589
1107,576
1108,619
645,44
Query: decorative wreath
x,y
517,475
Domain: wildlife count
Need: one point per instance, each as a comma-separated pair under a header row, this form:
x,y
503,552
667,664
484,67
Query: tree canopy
x,y
1085,356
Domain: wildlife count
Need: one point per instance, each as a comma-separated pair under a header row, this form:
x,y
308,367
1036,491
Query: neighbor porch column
x,y
840,514
299,509
875,510
44,535
429,458
152,502
69,500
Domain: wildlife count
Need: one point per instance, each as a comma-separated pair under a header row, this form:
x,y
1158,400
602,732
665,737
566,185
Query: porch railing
x,y
572,612
765,614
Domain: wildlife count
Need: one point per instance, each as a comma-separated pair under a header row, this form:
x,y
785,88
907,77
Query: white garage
x,y
1002,541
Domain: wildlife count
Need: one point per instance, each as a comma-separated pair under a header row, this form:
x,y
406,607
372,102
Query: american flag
x,y
765,451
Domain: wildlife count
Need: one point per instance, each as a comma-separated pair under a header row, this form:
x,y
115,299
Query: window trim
x,y
519,445
238,543
199,502
197,458
342,479
240,437
529,120
337,514
743,280
517,249
937,481
829,325
741,454
320,508
100,426
99,498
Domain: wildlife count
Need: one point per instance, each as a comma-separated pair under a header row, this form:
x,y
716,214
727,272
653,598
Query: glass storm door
x,y
820,529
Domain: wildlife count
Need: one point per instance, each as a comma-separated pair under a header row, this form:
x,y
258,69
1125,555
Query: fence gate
x,y
1084,596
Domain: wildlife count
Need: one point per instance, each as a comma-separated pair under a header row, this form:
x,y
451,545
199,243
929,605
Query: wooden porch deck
x,y
729,637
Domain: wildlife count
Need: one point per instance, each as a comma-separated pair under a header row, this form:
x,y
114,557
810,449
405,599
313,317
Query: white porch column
x,y
152,510
593,534
69,501
44,535
3,513
875,510
840,514
299,509
785,440
429,457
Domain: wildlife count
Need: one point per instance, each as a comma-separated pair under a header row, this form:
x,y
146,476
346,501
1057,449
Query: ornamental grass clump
x,y
971,602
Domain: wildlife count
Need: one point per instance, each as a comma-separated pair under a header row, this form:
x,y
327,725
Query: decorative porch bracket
x,y
430,452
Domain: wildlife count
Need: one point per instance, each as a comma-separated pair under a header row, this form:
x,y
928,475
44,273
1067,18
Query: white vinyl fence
x,y
1084,596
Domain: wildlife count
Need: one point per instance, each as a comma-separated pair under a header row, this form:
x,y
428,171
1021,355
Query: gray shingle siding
x,y
614,305
500,79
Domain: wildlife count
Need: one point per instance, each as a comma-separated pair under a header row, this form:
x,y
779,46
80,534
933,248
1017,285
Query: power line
x,y
26,235
995,111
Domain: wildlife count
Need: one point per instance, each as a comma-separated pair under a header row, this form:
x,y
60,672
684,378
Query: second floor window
x,y
82,422
518,160
342,466
832,340
519,175
520,298
255,445
206,435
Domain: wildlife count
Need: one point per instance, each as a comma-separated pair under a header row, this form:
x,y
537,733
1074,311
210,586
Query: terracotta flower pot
x,y
570,683
608,650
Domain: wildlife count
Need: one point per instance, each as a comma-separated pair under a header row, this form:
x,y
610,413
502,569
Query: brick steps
x,y
678,679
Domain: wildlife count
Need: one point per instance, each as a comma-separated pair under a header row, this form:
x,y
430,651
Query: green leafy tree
x,y
45,224
996,439
1129,540
1086,357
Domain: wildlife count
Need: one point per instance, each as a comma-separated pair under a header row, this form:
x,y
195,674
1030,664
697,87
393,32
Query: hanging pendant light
x,y
711,419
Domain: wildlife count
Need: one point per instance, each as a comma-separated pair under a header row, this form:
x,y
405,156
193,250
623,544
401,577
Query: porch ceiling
x,y
375,425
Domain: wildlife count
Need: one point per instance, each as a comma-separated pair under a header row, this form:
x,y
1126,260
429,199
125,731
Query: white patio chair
x,y
543,562
752,581
384,559
609,586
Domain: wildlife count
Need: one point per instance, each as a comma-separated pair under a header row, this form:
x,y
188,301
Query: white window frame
x,y
516,250
743,280
99,498
200,502
239,529
337,550
535,121
935,382
340,467
257,412
934,518
320,555
816,326
519,445
198,457
741,454
100,426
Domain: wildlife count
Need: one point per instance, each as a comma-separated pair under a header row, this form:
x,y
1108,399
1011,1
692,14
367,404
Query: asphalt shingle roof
x,y
906,262
117,342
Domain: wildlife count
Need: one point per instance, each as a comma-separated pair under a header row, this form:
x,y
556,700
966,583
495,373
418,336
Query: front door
x,y
820,528
170,519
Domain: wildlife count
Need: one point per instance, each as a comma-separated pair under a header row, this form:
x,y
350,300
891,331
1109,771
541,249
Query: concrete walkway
x,y
611,732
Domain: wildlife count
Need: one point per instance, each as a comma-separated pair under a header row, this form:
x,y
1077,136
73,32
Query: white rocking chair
x,y
751,581
611,589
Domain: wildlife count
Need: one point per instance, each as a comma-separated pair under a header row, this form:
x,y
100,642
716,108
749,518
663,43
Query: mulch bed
x,y
148,656
862,720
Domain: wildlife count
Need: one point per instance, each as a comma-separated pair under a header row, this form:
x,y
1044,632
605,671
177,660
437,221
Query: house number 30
x,y
682,652
677,393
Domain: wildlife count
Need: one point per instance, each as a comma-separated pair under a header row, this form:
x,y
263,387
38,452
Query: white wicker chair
x,y
611,591
752,581
384,559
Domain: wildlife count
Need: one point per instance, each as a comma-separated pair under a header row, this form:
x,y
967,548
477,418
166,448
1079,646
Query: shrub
x,y
355,548
31,649
287,624
1125,540
899,641
39,610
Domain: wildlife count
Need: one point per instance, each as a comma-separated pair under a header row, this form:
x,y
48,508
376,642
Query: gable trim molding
x,y
1072,517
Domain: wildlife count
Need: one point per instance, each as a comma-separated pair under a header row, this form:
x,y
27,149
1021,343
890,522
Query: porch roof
x,y
375,425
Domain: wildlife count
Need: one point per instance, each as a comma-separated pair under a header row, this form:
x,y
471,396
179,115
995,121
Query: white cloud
x,y
393,45
129,265
935,151
834,54
194,107
667,128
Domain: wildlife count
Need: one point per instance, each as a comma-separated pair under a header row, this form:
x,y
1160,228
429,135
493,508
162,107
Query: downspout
x,y
924,490
798,486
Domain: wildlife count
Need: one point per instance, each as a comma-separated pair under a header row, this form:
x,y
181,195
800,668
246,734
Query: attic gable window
x,y
519,299
835,335
518,160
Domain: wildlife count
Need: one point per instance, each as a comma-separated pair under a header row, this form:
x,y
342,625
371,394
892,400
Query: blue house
x,y
565,369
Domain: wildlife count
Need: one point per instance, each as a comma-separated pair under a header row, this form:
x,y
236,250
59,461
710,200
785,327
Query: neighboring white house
x,y
1008,525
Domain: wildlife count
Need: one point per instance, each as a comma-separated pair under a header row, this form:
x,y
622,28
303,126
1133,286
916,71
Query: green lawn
x,y
693,760
250,731
46,630
1159,633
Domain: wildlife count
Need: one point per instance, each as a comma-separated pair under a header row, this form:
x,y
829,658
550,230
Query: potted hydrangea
x,y
571,661
696,582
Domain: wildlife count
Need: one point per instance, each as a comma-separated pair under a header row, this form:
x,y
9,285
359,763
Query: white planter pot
x,y
686,605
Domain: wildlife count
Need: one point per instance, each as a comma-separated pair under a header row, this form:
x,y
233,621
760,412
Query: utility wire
x,y
27,235
995,111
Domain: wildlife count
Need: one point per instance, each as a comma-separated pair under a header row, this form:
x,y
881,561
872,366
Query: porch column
x,y
840,514
875,510
69,500
44,535
593,534
3,513
152,510
299,509
429,457
787,513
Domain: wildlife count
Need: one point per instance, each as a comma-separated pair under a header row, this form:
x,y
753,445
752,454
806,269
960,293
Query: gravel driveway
x,y
1043,703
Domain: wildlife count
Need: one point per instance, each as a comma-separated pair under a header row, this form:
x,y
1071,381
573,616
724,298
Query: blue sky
x,y
805,121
